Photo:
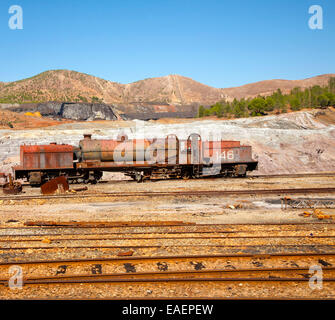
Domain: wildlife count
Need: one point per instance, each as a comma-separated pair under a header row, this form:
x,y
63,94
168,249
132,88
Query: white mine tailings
x,y
287,143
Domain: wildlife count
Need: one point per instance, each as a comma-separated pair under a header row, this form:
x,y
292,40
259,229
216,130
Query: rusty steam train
x,y
139,158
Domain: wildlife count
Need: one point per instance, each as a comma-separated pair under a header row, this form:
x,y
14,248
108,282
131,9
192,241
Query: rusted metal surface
x,y
51,156
276,259
3,179
183,289
165,272
307,203
12,187
126,151
79,189
108,224
163,276
178,158
259,274
211,193
58,184
125,253
190,151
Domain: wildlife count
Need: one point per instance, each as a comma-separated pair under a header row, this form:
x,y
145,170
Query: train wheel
x,y
139,176
186,175
98,175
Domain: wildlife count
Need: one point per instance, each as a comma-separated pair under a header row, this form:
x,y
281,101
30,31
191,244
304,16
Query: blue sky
x,y
217,42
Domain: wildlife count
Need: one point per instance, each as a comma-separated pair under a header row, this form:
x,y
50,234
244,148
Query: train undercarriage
x,y
188,172
139,174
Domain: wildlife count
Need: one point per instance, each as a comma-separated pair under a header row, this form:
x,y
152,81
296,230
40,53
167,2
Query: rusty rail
x,y
283,255
261,274
200,193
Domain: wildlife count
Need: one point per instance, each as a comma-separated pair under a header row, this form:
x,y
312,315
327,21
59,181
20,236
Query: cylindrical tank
x,y
127,150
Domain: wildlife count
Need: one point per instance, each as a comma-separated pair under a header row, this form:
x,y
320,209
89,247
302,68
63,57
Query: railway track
x,y
228,275
167,259
264,274
286,175
200,193
295,175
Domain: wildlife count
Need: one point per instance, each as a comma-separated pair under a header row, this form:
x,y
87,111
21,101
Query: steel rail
x,y
294,175
105,237
183,273
284,175
148,280
199,193
313,233
172,257
109,228
202,234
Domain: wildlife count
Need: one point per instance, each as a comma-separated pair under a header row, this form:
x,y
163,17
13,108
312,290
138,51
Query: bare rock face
x,y
73,111
83,111
49,108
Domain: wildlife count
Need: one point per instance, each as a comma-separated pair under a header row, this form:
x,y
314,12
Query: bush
x,y
278,102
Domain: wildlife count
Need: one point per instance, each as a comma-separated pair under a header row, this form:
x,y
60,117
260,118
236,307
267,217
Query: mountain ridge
x,y
177,90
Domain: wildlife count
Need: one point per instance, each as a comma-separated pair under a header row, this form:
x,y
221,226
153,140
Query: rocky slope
x,y
73,111
267,87
175,90
288,143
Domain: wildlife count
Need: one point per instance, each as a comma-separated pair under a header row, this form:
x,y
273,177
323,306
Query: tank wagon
x,y
139,158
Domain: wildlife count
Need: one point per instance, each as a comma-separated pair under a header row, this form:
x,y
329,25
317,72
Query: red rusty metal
x,y
12,187
171,150
123,151
220,144
51,156
125,254
169,157
53,185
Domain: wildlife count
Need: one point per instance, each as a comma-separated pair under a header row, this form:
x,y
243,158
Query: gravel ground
x,y
219,209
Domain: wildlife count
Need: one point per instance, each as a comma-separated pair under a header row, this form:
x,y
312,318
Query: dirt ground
x,y
199,209
18,121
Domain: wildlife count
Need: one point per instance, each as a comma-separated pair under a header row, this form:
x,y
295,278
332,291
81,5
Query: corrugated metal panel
x,y
46,156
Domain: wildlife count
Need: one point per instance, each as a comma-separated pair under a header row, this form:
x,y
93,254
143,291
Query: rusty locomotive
x,y
139,158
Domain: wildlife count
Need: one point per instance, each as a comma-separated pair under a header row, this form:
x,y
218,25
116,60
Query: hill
x,y
64,85
153,93
267,87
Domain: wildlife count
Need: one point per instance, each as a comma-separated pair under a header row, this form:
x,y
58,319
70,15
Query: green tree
x,y
269,103
295,103
201,111
257,106
331,84
207,113
96,100
323,101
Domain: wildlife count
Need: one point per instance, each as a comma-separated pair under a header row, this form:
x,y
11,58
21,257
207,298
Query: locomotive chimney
x,y
87,136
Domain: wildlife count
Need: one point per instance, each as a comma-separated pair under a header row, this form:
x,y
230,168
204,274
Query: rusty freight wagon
x,y
41,162
139,158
